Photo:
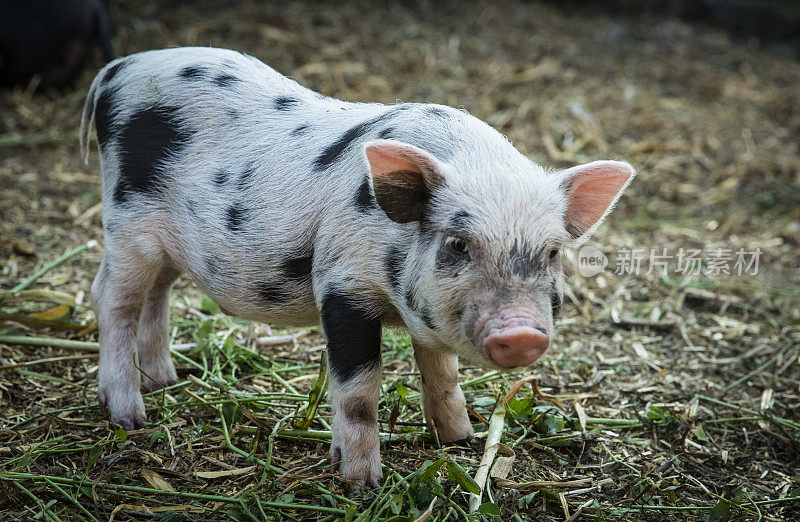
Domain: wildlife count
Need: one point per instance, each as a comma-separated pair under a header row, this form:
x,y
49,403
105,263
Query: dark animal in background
x,y
54,39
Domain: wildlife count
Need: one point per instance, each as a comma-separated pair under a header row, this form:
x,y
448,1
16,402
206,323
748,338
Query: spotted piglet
x,y
289,207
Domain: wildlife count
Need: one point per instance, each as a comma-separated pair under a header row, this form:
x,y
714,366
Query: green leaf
x,y
94,454
121,435
207,305
429,469
700,433
402,391
457,474
172,516
203,335
721,512
483,401
233,414
156,436
489,509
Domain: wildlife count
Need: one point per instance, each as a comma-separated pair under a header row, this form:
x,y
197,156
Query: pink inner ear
x,y
389,157
593,188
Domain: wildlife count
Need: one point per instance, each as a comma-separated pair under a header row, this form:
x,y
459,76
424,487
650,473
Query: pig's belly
x,y
293,304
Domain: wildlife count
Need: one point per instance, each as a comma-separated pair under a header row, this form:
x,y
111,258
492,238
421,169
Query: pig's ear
x,y
403,177
592,191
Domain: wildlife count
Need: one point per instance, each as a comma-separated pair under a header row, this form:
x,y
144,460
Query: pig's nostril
x,y
516,346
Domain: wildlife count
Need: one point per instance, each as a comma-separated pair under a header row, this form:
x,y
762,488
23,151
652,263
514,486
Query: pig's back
x,y
250,180
217,155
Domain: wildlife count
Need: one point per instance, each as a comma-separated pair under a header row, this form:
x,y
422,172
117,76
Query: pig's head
x,y
483,273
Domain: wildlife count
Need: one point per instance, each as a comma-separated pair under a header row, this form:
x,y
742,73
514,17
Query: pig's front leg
x,y
354,340
442,399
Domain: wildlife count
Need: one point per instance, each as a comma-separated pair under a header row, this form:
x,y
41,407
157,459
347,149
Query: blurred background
x,y
702,97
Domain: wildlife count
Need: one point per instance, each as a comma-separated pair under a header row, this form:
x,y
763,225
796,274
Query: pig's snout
x,y
514,347
513,338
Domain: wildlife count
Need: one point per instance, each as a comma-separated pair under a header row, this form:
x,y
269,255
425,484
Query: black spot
x,y
364,202
271,293
555,301
386,134
332,153
104,117
190,207
573,230
113,70
354,335
224,80
299,268
212,265
436,111
194,73
361,410
109,227
285,103
221,176
146,140
335,150
461,222
422,311
300,130
235,217
232,113
409,295
394,262
427,318
246,176
522,262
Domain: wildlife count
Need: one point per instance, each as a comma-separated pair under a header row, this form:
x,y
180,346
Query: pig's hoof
x,y
456,434
130,423
150,385
360,473
127,410
158,374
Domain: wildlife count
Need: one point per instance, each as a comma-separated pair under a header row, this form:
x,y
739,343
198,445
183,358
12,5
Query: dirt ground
x,y
676,394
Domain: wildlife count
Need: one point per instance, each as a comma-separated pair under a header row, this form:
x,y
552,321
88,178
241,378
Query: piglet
x,y
289,207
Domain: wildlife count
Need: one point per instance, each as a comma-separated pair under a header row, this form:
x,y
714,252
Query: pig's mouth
x,y
512,338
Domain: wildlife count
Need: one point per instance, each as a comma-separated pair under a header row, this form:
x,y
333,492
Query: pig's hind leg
x,y
119,291
442,399
152,336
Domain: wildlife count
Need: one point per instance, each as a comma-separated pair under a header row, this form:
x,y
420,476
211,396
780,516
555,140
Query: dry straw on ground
x,y
678,395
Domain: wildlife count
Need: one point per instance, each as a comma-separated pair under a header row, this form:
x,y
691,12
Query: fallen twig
x,y
664,325
68,344
51,265
47,360
542,484
774,358
275,340
494,433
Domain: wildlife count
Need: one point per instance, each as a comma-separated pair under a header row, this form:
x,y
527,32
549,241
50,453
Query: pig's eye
x,y
458,244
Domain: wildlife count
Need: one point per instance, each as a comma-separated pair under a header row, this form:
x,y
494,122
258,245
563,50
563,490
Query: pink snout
x,y
516,346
